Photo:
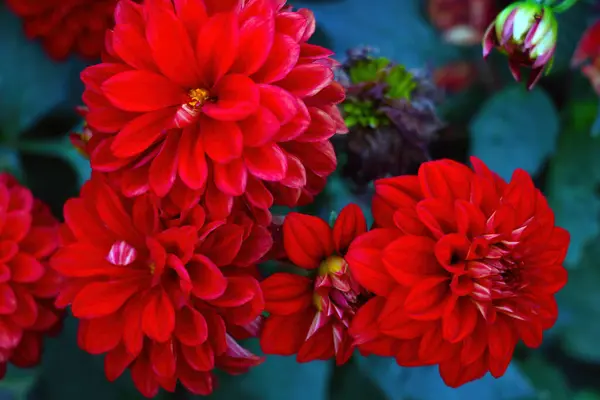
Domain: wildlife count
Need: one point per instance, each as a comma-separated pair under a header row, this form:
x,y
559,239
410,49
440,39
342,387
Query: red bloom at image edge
x,y
66,26
463,265
165,294
28,237
310,314
225,98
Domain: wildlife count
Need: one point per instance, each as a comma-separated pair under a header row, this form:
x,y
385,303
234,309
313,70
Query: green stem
x,y
563,6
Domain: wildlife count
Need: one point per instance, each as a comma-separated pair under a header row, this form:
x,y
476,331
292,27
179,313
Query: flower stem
x,y
563,6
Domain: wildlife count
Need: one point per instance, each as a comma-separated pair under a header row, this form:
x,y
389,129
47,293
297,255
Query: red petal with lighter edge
x,y
142,91
307,240
141,133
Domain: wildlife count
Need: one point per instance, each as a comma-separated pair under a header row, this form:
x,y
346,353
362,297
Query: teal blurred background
x,y
547,131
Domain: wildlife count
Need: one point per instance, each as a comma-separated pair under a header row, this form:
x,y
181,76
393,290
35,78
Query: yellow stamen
x,y
331,265
198,97
317,302
152,268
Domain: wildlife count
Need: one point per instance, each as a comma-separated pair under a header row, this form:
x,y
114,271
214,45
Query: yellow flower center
x,y
152,267
198,97
331,265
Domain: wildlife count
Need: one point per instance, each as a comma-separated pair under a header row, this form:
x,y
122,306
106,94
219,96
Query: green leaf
x,y
550,382
424,383
69,373
587,395
396,28
31,84
277,378
515,129
580,306
60,148
350,383
573,178
18,383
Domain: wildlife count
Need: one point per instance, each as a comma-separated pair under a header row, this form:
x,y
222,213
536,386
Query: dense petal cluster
x,y
161,291
225,98
463,266
391,116
67,26
28,237
310,314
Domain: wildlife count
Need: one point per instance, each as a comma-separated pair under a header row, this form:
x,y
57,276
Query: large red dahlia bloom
x,y
222,96
310,314
67,26
464,265
160,292
28,236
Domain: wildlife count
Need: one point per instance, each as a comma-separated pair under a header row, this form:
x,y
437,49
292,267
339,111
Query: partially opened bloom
x,y
526,32
66,26
310,313
161,292
224,97
463,266
28,237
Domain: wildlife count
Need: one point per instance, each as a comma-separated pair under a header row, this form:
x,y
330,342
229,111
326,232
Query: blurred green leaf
x,y
30,83
60,148
396,28
549,380
278,378
573,179
587,395
69,373
424,383
580,299
514,129
350,383
11,162
571,25
18,383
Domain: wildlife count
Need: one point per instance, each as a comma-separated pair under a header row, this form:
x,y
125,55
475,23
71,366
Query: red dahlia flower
x,y
310,315
28,236
225,97
67,26
464,265
160,292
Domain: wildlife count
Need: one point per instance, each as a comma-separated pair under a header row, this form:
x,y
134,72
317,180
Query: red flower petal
x,y
364,259
286,294
141,133
284,335
163,169
307,80
259,128
217,46
223,141
98,299
267,162
238,97
231,178
208,281
282,58
411,259
158,318
256,40
193,169
142,91
25,268
171,47
349,224
307,240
